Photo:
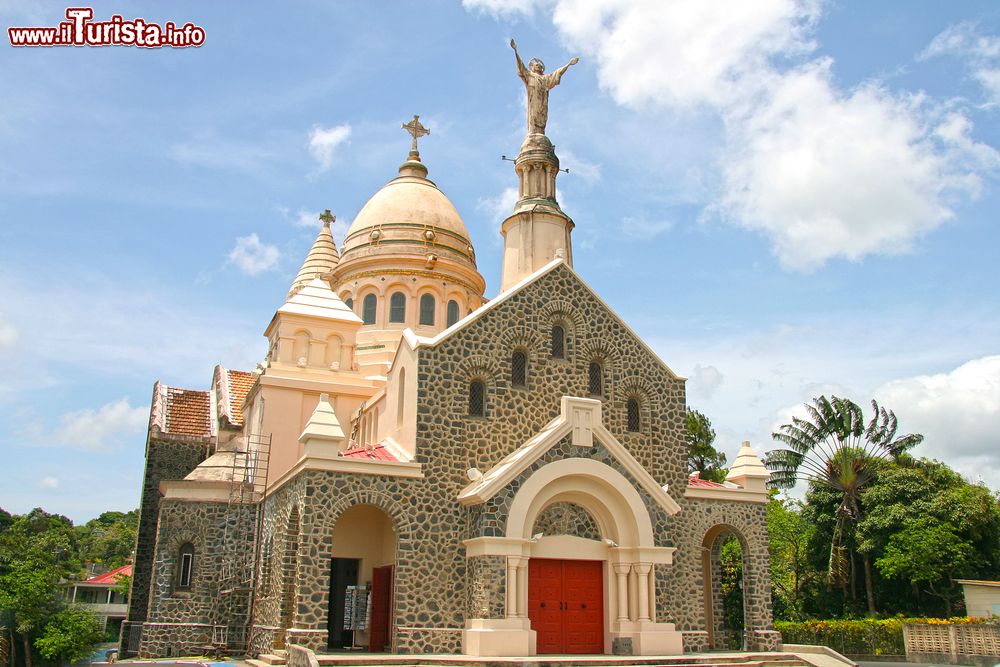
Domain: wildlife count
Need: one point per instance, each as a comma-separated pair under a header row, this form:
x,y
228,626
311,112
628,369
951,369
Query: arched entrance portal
x,y
361,580
723,557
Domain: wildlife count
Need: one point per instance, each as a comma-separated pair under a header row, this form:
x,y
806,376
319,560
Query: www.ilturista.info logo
x,y
80,30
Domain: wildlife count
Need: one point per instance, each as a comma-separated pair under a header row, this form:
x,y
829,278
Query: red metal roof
x,y
376,453
694,479
111,577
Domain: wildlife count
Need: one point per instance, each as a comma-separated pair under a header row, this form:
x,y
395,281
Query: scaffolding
x,y
241,544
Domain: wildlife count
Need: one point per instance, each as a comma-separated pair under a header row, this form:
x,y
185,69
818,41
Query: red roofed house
x,y
100,595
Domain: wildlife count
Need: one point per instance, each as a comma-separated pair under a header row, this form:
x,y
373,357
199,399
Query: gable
x,y
579,418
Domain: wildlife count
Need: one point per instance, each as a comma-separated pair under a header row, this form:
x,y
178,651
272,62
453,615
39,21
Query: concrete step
x,y
253,662
689,660
274,658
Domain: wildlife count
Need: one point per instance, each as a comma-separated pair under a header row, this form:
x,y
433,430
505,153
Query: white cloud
x,y
500,8
683,54
822,171
49,482
981,53
825,174
500,206
101,430
958,412
704,381
253,257
323,143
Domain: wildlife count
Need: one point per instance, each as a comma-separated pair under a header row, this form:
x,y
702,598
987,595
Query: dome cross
x,y
415,130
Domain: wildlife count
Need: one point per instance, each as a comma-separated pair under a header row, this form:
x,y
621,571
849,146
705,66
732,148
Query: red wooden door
x,y
378,632
566,605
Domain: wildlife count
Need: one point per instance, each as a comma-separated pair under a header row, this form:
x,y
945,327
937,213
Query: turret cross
x,y
416,131
327,218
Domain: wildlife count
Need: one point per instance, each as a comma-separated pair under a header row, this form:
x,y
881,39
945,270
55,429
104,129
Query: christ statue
x,y
538,84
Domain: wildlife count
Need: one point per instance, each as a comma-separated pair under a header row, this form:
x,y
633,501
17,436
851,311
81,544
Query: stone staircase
x,y
280,657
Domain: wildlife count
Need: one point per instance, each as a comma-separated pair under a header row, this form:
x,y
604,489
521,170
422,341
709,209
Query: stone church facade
x,y
416,470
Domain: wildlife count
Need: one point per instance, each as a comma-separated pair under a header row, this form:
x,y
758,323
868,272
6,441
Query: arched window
x,y
400,396
558,342
397,307
519,369
632,417
477,399
349,302
452,312
368,309
427,306
185,567
595,379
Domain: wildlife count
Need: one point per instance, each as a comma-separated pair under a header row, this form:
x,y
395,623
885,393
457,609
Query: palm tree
x,y
834,448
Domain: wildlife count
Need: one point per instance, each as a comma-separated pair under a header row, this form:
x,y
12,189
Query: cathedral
x,y
416,469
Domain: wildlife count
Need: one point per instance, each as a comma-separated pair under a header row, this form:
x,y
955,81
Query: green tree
x,y
792,573
835,448
29,593
70,635
702,455
928,552
109,539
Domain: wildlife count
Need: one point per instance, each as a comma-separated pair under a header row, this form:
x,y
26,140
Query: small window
x,y
632,418
452,312
477,399
427,305
595,377
368,309
558,342
400,396
397,307
185,566
349,302
519,369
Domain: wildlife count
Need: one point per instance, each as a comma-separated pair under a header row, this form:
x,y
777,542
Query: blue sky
x,y
784,198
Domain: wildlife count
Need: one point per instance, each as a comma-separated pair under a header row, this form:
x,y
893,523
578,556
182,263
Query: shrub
x,y
867,636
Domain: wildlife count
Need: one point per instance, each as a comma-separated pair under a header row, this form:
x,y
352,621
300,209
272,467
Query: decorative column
x,y
621,572
642,573
522,588
512,587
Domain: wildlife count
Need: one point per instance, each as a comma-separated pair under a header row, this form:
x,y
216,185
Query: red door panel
x,y
382,585
566,605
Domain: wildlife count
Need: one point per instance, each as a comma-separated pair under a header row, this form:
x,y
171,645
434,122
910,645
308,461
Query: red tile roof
x,y
111,577
189,412
376,453
694,479
240,383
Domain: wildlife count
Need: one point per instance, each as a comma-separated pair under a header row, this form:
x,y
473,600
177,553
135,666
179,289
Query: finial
x,y
416,130
327,218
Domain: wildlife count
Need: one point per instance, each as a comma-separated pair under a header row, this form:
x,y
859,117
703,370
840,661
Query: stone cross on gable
x,y
327,218
416,130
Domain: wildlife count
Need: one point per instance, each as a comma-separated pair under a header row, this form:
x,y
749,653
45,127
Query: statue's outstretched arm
x,y
557,75
521,70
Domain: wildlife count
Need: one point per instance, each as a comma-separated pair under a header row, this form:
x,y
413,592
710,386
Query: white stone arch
x,y
600,489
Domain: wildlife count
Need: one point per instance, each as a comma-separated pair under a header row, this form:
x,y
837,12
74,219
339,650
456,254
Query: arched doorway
x,y
724,552
362,569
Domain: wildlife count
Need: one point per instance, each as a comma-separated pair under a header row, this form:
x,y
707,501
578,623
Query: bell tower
x,y
537,232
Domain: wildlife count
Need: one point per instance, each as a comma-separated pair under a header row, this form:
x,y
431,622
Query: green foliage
x,y
792,574
39,554
852,637
70,635
702,455
731,562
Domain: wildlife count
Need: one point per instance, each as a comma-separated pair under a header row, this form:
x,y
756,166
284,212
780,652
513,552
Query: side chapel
x,y
414,469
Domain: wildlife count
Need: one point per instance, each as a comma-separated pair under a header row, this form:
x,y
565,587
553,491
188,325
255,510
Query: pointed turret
x,y
322,435
748,470
322,257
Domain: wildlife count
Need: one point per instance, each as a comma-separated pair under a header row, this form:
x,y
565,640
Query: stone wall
x,y
436,586
206,603
566,519
165,460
